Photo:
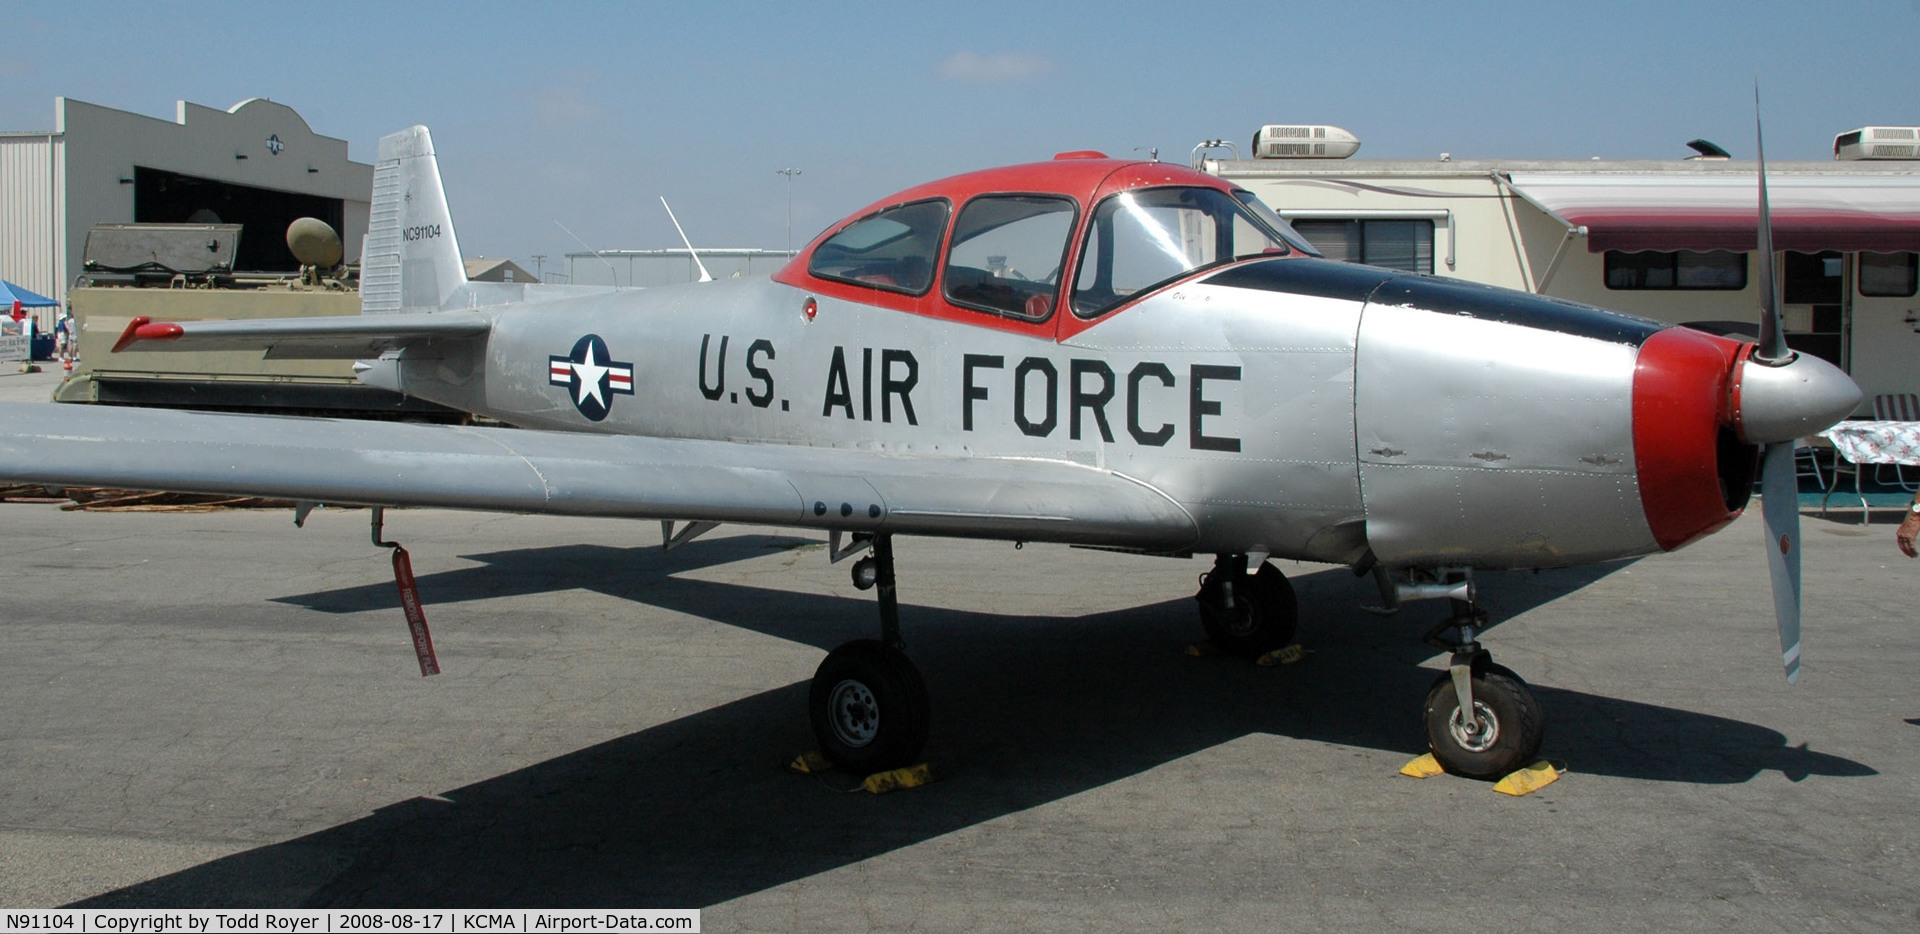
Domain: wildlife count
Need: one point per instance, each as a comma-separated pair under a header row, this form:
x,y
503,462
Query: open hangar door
x,y
163,197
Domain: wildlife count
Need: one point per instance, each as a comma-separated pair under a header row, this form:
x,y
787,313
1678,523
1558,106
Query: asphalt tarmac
x,y
218,709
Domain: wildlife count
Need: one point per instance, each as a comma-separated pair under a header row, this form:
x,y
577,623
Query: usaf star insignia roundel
x,y
591,377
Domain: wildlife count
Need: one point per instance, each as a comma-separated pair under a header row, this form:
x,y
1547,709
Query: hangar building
x,y
629,268
256,163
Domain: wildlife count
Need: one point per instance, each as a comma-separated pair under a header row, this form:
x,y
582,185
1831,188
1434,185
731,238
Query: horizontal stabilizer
x,y
343,337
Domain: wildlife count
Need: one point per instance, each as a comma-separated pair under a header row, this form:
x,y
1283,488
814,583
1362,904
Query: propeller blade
x,y
1773,337
1780,506
1779,481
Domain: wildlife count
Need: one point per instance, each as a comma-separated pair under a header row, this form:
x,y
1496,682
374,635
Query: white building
x,y
628,268
1670,240
256,163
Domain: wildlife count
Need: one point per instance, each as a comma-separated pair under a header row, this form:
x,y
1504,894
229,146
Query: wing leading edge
x,y
513,470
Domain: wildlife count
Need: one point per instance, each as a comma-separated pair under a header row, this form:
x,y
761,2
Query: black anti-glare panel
x,y
1459,297
1305,276
1437,294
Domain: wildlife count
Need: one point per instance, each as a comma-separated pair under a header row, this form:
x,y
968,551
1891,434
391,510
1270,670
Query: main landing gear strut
x,y
1246,605
868,703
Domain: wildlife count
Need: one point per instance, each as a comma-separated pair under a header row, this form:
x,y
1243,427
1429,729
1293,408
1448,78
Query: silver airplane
x,y
1120,354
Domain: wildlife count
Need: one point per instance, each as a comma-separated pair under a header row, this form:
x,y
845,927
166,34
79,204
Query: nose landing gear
x,y
1481,720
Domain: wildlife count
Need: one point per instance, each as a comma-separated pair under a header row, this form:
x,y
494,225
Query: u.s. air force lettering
x,y
878,384
591,376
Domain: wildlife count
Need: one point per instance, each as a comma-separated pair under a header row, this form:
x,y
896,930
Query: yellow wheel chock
x,y
913,776
879,783
1528,780
1424,767
1519,783
1286,655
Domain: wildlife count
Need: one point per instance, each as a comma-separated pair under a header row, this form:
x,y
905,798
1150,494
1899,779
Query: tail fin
x,y
411,261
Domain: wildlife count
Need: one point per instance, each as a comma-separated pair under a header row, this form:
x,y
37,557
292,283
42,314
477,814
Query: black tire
x,y
869,708
1518,725
1264,614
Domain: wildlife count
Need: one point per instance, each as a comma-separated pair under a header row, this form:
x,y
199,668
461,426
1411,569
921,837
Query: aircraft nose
x,y
1777,403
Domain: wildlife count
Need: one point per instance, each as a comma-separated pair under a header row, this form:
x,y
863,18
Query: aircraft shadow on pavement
x,y
629,572
698,811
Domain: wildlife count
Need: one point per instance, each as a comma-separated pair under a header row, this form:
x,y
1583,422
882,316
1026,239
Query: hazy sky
x,y
586,113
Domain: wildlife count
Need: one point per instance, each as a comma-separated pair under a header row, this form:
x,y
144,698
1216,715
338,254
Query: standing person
x,y
65,341
1909,527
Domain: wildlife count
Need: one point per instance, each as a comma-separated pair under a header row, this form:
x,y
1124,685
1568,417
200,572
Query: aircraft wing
x,y
346,337
512,470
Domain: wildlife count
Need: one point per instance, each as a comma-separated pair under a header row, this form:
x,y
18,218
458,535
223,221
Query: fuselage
x,y
1293,406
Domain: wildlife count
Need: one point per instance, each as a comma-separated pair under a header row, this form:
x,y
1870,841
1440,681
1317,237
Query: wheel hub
x,y
1478,736
1239,619
854,713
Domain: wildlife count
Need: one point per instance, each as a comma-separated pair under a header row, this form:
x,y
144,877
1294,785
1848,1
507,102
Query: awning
x,y
1811,213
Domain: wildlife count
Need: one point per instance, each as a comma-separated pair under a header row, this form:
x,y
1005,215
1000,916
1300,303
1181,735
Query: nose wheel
x,y
1503,734
1481,720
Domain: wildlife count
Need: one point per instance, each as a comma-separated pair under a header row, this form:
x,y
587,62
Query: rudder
x,y
411,261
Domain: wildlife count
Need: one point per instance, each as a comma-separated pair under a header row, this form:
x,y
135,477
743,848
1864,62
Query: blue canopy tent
x,y
15,300
12,295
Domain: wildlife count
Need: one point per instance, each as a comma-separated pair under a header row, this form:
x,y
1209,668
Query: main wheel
x,y
1509,729
1263,615
869,708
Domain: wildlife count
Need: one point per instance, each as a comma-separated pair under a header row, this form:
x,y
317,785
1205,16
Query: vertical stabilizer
x,y
411,262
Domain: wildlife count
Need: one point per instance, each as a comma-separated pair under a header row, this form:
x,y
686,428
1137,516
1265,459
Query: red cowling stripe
x,y
1681,399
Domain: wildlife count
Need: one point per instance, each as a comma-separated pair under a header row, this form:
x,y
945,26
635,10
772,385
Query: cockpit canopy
x,y
1015,252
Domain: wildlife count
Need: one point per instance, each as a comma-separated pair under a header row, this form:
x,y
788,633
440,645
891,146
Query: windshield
x,y
1267,216
1140,240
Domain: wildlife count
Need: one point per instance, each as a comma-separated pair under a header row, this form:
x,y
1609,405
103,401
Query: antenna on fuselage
x,y
704,275
596,253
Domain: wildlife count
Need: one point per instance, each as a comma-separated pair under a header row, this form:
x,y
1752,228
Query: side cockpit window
x,y
1142,239
893,249
1007,254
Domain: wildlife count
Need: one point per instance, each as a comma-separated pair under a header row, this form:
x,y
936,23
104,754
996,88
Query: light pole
x,y
789,173
539,261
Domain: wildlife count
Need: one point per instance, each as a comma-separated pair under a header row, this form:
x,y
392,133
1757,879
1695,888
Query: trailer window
x,y
1716,270
1406,245
1889,274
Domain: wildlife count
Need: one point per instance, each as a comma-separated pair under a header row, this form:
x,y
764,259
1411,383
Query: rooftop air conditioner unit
x,y
1284,141
1878,142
